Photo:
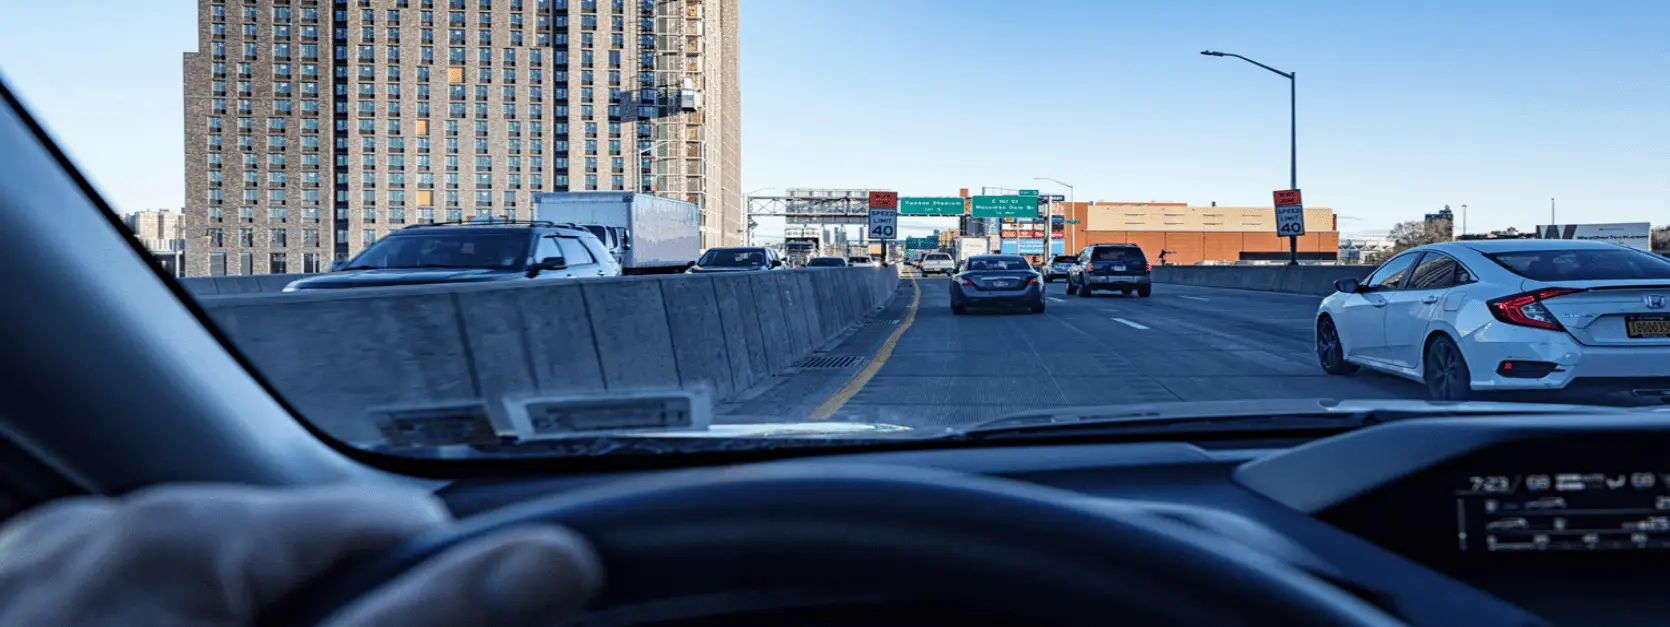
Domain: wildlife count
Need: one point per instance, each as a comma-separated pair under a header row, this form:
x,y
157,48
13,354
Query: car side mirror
x,y
1348,286
548,263
776,263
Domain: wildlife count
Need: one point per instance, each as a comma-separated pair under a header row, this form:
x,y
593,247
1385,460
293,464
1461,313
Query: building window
x,y
246,263
217,264
276,263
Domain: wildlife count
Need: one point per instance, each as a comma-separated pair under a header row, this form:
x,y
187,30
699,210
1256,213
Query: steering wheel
x,y
1003,546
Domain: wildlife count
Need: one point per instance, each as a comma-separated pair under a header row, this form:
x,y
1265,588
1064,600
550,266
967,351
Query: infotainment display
x,y
1563,511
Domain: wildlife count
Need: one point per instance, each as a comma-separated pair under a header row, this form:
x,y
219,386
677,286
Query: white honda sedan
x,y
1503,315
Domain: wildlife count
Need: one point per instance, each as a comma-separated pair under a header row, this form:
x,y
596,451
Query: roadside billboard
x,y
1638,235
1030,246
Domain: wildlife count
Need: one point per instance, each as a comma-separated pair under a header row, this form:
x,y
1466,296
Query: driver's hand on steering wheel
x,y
218,555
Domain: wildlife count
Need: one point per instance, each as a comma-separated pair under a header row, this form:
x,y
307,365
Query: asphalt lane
x,y
1181,344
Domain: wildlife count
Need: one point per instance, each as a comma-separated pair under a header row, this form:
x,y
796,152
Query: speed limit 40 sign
x,y
884,223
1290,213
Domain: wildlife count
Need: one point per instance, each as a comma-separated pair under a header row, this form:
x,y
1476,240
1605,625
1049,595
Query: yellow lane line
x,y
851,389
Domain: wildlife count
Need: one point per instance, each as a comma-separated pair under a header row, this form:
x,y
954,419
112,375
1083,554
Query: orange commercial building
x,y
1190,234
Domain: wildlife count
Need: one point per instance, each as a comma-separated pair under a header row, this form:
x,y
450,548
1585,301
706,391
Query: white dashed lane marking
x,y
1130,324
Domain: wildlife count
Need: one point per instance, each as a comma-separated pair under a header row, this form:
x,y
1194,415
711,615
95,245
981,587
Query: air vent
x,y
567,416
829,361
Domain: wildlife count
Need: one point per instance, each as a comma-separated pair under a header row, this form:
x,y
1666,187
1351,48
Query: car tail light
x,y
1033,280
1147,267
966,281
1527,310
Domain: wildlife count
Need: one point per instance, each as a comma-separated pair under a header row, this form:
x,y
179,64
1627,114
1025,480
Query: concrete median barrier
x,y
337,354
232,285
1309,279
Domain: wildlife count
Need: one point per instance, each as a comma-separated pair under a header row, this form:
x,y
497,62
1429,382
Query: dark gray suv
x,y
1121,267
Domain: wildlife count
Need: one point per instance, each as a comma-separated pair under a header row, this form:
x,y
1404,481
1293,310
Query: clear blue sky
x,y
1403,106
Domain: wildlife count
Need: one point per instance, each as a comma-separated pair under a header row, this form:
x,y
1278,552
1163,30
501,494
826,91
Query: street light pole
x,y
1292,136
1064,215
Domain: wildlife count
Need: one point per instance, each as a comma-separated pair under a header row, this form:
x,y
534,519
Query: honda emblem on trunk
x,y
1653,301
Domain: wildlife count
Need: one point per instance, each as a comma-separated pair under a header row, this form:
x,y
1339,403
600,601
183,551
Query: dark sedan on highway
x,y
997,281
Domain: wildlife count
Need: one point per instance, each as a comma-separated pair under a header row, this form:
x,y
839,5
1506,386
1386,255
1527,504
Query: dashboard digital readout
x,y
1581,511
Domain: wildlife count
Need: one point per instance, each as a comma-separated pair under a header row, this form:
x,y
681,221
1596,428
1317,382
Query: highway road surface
x,y
1183,343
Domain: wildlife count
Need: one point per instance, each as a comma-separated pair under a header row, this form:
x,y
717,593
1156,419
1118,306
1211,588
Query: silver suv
x,y
476,251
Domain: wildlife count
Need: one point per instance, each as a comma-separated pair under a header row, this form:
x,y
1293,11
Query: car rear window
x,y
1133,255
1064,259
1584,265
998,263
939,257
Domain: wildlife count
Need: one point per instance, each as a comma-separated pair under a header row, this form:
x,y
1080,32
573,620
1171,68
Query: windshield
x,y
1584,265
447,247
307,174
732,258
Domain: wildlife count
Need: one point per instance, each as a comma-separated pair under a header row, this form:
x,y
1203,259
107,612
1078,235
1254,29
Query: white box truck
x,y
800,244
971,246
648,234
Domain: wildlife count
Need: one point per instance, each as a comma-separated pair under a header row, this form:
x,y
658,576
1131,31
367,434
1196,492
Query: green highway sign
x,y
931,206
921,243
1029,192
1005,207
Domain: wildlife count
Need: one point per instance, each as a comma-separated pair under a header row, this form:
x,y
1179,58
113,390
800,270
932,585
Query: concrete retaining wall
x,y
246,284
1317,279
336,354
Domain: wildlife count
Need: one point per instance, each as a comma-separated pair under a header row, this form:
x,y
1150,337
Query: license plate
x,y
1118,268
1003,283
1647,326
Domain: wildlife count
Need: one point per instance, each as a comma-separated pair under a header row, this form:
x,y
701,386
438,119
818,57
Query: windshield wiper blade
x,y
1277,414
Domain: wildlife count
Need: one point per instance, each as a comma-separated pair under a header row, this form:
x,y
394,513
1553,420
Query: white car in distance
x,y
1499,315
937,263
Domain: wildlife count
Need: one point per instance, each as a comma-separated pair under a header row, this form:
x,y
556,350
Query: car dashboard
x,y
1524,520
